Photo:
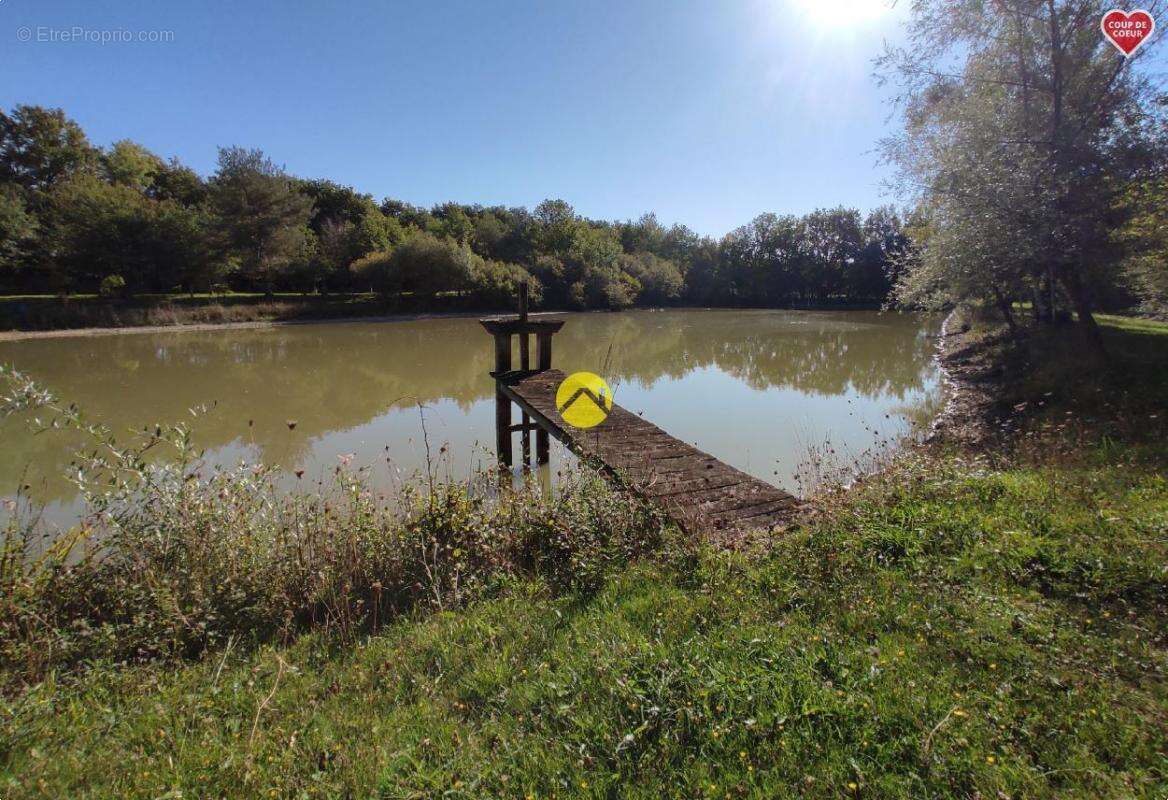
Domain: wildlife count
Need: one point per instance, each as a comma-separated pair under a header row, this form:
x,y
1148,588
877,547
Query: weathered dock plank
x,y
693,488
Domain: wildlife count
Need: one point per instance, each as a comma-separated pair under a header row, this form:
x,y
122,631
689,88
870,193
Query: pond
x,y
762,390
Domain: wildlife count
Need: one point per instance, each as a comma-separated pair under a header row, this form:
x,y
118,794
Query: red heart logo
x,y
1128,31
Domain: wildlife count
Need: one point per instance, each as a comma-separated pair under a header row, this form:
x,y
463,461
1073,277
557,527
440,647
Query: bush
x,y
496,283
112,286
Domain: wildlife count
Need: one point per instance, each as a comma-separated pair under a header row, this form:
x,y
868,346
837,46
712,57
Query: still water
x,y
757,389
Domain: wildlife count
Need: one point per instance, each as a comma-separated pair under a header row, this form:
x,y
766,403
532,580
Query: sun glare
x,y
843,12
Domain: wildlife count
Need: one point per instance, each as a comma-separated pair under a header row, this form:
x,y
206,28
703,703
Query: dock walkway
x,y
699,492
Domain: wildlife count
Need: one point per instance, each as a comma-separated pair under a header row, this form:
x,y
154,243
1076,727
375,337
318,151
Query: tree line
x,y
121,220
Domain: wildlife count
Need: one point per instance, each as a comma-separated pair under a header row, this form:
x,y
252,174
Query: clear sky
x,y
707,113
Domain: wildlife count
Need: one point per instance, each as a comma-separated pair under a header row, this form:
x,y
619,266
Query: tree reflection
x,y
281,389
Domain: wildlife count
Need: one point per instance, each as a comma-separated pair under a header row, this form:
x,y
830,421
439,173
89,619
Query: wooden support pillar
x,y
525,364
502,402
541,447
503,328
544,356
545,350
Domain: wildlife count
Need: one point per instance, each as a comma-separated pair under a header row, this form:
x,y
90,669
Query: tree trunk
x,y
1007,312
1082,303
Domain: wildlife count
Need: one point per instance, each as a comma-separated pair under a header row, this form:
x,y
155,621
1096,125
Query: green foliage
x,y
660,280
130,164
496,283
262,212
18,230
427,265
173,561
1145,237
257,228
1018,136
173,181
97,229
40,146
112,286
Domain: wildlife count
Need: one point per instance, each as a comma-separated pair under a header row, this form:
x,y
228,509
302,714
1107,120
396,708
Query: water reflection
x,y
752,387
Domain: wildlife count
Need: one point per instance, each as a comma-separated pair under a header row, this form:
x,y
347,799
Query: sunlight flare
x,y
843,12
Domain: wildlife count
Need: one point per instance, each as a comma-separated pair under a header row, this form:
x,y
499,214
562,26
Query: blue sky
x,y
707,113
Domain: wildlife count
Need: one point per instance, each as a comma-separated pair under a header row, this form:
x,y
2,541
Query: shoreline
x,y
202,327
199,327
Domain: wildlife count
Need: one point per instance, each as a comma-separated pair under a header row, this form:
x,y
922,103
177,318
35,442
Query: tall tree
x,y
128,163
1016,153
40,146
97,229
18,231
262,212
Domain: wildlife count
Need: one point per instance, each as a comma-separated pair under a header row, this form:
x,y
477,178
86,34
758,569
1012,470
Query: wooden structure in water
x,y
696,490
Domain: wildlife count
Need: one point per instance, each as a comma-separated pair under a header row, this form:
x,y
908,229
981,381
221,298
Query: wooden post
x,y
544,348
502,403
524,364
544,342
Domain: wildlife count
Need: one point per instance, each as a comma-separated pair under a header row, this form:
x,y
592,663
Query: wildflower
x,y
852,786
990,760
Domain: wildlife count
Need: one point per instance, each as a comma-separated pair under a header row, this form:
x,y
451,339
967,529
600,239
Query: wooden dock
x,y
696,490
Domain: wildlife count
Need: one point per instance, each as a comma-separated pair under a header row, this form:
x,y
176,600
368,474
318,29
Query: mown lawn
x,y
968,625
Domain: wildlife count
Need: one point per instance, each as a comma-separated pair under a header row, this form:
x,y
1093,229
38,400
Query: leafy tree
x,y
333,203
644,235
555,224
661,281
1016,155
261,211
830,244
496,283
40,146
762,262
422,265
309,270
173,181
1145,238
454,223
98,229
127,163
490,233
18,232
593,267
1144,205
408,216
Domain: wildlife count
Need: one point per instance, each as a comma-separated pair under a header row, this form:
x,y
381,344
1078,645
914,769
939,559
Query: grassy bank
x,y
976,622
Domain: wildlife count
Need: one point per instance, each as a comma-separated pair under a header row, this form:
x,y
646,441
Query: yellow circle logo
x,y
584,400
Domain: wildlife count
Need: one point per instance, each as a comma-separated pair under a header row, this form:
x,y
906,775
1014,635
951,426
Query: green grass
x,y
1134,324
967,625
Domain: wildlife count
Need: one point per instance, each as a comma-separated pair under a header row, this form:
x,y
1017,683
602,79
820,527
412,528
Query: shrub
x,y
497,283
112,286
